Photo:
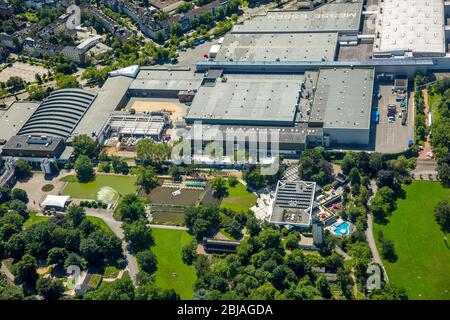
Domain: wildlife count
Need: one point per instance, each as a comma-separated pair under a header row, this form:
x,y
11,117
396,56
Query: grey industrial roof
x,y
335,16
166,79
15,117
416,26
33,143
292,135
343,98
59,113
107,101
293,202
248,99
278,47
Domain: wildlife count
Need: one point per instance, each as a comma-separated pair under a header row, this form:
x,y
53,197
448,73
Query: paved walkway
x,y
116,227
7,273
369,234
162,226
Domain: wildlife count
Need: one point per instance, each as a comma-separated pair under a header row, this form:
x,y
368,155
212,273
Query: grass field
x,y
122,184
33,219
423,265
167,248
239,198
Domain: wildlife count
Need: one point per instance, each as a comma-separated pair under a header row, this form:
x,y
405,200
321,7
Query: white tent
x,y
55,201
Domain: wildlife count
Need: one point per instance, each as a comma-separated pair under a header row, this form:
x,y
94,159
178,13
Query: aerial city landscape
x,y
224,150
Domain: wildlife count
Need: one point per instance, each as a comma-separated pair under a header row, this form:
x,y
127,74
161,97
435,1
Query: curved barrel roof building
x,y
59,114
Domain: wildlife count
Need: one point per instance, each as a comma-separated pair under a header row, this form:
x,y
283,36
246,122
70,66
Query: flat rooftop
x,y
249,99
113,92
335,16
293,203
416,26
286,135
343,98
33,144
278,47
166,79
15,117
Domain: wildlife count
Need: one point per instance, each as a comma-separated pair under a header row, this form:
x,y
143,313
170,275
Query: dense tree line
x,y
61,241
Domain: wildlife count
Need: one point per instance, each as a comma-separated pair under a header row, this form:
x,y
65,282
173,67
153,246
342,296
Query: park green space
x,y
434,101
99,222
122,184
33,218
238,198
172,272
422,267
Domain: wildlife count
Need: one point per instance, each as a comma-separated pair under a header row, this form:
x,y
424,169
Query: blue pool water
x,y
343,229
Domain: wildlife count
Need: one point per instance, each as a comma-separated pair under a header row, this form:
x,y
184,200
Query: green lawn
x,y
168,244
122,184
99,222
434,100
423,265
33,219
239,198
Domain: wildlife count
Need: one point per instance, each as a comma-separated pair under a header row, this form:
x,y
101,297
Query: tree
x,y
138,235
150,152
19,194
313,167
354,176
131,208
66,81
122,289
146,178
292,240
18,206
22,169
74,259
387,248
388,292
175,172
386,178
442,215
25,270
76,215
84,169
232,181
104,167
202,220
48,289
84,145
219,186
99,246
147,261
36,92
189,252
57,256
323,286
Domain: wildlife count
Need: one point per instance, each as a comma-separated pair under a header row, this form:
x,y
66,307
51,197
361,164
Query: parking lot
x,y
392,137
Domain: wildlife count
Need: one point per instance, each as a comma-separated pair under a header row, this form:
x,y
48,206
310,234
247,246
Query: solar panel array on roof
x,y
59,113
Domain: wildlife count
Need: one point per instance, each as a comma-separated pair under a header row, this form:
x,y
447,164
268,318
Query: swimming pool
x,y
343,229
